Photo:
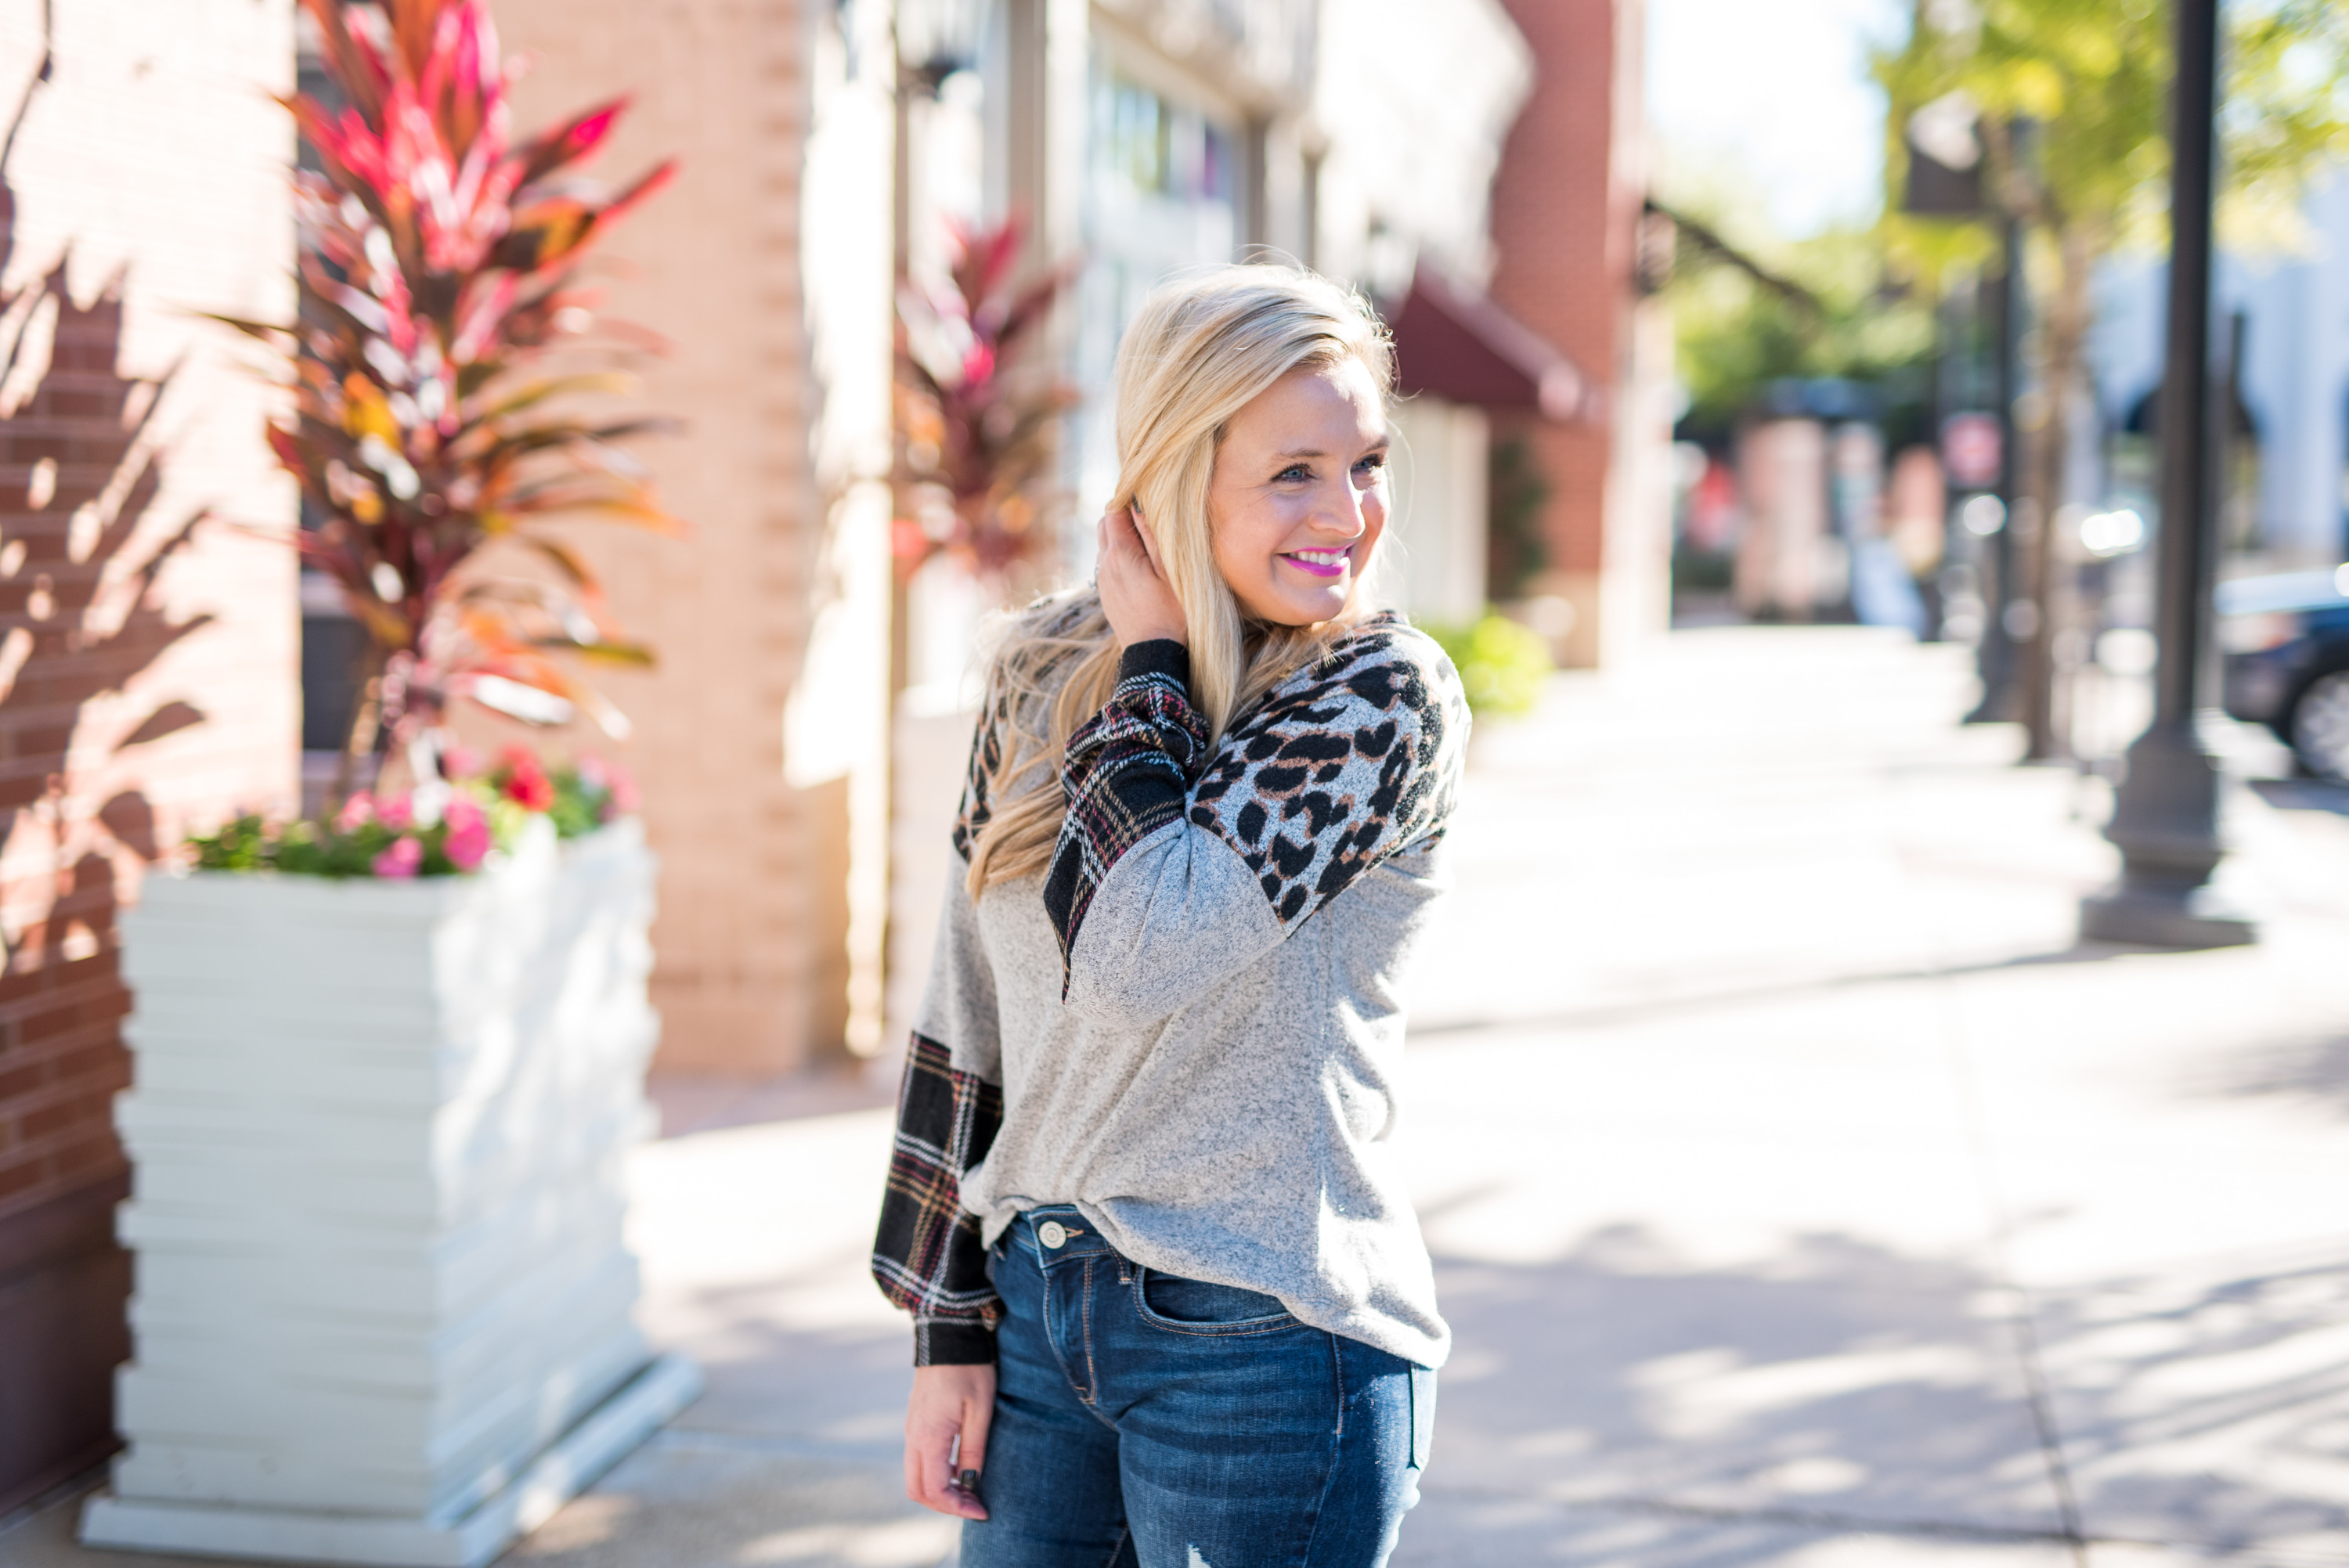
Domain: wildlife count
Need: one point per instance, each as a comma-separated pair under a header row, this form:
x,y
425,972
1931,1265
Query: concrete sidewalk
x,y
1803,1194
1806,1194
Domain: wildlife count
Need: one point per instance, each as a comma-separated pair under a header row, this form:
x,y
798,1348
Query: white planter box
x,y
383,1310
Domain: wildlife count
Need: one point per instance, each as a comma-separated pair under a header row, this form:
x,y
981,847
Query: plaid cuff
x,y
947,1342
1125,776
927,1256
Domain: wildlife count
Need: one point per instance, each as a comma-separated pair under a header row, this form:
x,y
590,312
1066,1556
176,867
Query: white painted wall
x,y
835,721
1415,99
1432,565
2295,366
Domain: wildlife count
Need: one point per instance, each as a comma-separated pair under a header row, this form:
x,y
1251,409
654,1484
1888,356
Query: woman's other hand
x,y
948,1402
1135,595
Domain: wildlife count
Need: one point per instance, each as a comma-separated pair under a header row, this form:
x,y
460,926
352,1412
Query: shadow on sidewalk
x,y
1618,1403
2315,1069
691,1102
2303,794
791,1455
1701,998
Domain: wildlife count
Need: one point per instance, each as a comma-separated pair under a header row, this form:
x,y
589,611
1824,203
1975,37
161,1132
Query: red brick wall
x,y
1565,207
147,643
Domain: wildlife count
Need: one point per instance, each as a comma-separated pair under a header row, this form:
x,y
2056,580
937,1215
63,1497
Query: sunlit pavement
x,y
1803,1194
1783,1149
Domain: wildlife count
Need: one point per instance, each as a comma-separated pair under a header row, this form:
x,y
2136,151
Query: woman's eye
x,y
1293,471
1371,464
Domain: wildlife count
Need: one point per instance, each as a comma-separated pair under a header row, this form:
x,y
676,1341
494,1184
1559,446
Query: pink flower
x,y
527,784
611,780
623,801
394,813
468,843
358,811
402,860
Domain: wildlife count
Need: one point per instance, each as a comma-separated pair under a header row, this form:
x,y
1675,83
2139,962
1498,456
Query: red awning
x,y
1452,342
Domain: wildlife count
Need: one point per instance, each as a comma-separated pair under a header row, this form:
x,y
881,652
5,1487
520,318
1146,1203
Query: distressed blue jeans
x,y
1147,1421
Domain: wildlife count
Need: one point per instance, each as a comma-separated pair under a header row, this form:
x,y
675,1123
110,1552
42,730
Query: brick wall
x,y
753,938
1565,210
147,644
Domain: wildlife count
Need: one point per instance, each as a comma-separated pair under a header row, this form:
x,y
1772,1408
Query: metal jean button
x,y
1053,1233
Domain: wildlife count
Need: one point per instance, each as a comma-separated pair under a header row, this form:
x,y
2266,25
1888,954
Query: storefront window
x,y
1159,149
1161,195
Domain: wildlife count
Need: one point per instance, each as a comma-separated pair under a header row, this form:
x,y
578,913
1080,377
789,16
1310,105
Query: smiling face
x,y
1299,495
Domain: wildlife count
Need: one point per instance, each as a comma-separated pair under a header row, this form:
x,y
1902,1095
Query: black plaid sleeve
x,y
927,1257
1125,777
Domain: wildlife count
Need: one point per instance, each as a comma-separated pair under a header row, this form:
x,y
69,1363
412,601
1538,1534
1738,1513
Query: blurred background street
x,y
1878,1093
1804,1192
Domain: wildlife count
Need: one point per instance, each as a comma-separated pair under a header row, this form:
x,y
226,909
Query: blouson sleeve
x,y
927,1255
1175,870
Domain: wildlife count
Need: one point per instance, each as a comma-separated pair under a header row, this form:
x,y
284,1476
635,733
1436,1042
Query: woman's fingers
x,y
1140,527
945,1434
1121,541
1135,595
972,1459
931,1470
930,1473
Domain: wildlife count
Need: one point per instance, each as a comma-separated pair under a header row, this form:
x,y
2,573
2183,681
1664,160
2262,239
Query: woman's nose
x,y
1345,508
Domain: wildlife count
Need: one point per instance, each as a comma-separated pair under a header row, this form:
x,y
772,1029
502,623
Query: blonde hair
x,y
1202,348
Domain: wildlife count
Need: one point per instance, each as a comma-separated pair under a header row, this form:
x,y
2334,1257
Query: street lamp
x,y
1945,181
2166,812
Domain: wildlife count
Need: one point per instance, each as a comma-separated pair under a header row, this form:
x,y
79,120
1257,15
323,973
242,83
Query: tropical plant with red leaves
x,y
975,415
439,261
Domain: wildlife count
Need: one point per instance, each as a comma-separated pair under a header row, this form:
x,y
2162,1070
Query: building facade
x,y
1473,166
759,743
147,620
2290,463
1568,223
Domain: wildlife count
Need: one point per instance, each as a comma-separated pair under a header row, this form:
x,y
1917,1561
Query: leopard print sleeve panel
x,y
1348,763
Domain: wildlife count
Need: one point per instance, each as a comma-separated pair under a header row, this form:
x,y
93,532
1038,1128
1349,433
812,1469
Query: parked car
x,y
2285,642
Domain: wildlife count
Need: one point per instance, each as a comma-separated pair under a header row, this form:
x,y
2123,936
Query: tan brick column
x,y
754,936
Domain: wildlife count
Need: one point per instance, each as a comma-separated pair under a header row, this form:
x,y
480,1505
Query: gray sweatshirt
x,y
1195,1018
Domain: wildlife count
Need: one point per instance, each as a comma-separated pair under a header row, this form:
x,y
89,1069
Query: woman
x,y
1171,1304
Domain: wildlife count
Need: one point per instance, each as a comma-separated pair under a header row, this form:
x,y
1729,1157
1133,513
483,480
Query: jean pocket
x,y
1195,1306
1422,1416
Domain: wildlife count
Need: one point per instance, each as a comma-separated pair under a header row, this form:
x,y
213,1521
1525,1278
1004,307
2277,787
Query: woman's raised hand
x,y
1134,594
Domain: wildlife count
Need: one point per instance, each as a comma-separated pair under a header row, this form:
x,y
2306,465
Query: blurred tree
x,y
1746,314
2069,100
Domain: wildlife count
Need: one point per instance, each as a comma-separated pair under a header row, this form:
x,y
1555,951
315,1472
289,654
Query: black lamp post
x,y
1996,656
2166,812
1945,181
